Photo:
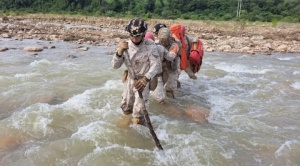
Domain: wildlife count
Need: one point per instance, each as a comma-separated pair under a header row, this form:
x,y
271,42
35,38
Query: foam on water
x,y
296,72
99,131
79,102
286,147
33,120
37,63
27,75
238,68
296,85
285,58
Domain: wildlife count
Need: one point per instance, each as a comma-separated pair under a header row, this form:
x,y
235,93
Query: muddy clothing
x,y
172,68
144,60
164,55
188,70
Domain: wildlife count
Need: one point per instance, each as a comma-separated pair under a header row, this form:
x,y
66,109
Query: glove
x,y
123,45
141,83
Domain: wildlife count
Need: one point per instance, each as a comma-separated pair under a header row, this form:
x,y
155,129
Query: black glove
x,y
141,83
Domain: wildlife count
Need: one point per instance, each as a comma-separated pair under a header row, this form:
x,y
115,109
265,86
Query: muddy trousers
x,y
158,93
131,101
189,71
171,84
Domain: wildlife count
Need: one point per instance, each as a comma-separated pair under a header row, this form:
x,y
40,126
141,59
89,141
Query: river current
x,y
56,110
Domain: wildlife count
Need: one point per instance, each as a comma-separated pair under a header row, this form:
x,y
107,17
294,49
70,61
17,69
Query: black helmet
x,y
158,26
136,27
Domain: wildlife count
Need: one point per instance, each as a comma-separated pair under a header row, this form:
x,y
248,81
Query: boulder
x,y
3,49
6,35
225,48
282,48
33,49
197,114
83,48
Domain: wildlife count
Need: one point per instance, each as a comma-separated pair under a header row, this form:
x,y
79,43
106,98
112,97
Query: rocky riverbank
x,y
239,37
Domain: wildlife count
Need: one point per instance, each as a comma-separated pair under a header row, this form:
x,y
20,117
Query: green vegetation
x,y
251,10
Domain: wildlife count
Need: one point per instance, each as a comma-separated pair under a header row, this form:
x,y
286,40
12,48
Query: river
x,y
56,110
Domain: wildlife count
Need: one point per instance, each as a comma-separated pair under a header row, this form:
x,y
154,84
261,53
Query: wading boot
x,y
139,120
178,84
161,102
170,94
127,112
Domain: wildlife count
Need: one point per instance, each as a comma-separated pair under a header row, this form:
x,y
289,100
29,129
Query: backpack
x,y
196,55
178,34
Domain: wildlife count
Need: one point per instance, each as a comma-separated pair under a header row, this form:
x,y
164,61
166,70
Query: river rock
x,y
197,114
257,37
282,48
71,56
83,48
225,48
6,35
33,49
245,49
3,49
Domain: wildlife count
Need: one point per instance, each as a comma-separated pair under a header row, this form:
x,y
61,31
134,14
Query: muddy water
x,y
66,111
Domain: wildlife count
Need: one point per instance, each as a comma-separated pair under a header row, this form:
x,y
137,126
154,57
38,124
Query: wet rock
x,y
71,56
245,49
33,49
3,49
251,52
83,48
197,114
174,111
51,47
282,48
210,49
269,46
10,141
225,48
6,35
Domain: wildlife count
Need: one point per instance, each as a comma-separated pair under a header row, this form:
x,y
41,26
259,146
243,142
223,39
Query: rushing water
x,y
56,110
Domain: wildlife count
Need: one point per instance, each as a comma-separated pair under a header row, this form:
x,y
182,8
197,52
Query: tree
x,y
239,7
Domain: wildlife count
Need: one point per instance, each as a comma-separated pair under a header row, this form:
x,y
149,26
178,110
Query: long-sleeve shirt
x,y
143,58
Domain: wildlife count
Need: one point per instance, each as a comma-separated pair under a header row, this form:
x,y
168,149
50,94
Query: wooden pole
x,y
149,124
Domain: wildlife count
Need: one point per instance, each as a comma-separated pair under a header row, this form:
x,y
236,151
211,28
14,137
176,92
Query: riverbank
x,y
239,37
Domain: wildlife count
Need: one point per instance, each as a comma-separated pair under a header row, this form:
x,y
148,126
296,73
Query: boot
x,y
192,76
190,73
170,94
161,102
139,120
178,84
127,112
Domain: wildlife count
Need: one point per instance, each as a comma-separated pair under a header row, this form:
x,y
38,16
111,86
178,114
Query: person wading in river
x,y
156,28
178,32
172,67
162,75
143,58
